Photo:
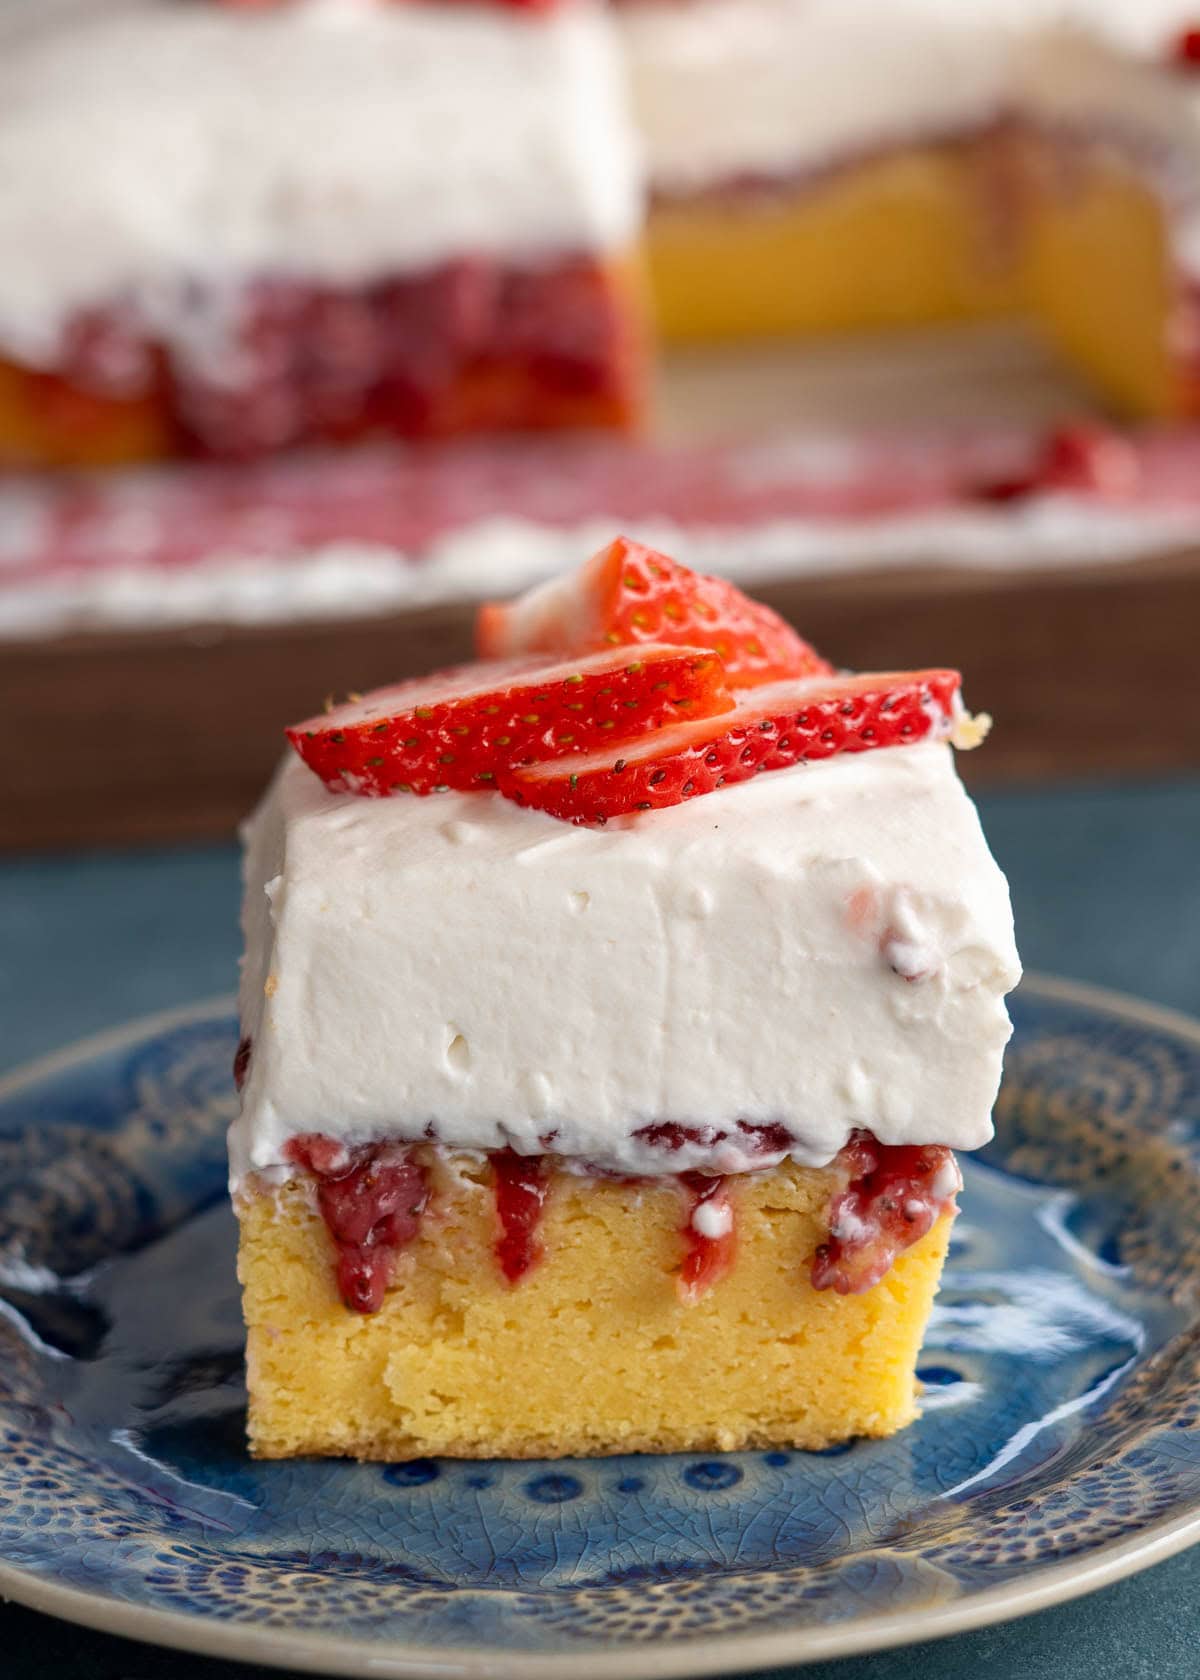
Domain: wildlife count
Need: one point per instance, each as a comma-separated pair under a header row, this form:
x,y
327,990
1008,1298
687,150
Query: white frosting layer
x,y
729,88
151,147
459,963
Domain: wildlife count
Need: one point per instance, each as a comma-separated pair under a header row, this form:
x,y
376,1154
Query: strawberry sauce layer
x,y
892,1196
709,1232
371,1199
520,1183
473,345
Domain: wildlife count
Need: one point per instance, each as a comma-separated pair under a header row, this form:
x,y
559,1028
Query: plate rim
x,y
625,1660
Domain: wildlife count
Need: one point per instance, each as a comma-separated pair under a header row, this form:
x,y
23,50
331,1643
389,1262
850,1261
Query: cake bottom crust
x,y
594,1351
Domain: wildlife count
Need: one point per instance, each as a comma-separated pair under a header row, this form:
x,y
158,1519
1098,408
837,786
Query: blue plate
x,y
1059,1447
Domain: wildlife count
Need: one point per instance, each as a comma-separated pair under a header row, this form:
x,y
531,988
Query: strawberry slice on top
x,y
628,594
769,729
472,727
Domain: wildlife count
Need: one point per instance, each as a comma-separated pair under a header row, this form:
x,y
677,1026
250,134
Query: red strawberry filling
x,y
372,1197
628,594
472,345
1082,458
520,1183
892,1195
470,728
710,1235
276,5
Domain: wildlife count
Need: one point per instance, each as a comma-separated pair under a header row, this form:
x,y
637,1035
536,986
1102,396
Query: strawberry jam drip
x,y
892,1195
241,1062
709,1233
520,1183
371,1199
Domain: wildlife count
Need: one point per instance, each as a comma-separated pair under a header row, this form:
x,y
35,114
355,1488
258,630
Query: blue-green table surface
x,y
1106,887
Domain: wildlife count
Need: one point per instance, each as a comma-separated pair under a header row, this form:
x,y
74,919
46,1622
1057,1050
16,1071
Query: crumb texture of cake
x,y
592,1352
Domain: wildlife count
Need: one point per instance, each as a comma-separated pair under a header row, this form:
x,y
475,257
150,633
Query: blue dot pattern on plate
x,y
1062,1388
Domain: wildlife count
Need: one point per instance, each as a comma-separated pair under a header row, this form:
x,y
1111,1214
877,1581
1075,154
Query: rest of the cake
x,y
818,166
276,224
603,1097
316,222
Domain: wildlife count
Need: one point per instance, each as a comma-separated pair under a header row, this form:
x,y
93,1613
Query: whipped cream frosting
x,y
728,89
822,948
160,152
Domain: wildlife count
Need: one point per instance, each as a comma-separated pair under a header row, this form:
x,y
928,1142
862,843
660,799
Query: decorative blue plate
x,y
1059,1447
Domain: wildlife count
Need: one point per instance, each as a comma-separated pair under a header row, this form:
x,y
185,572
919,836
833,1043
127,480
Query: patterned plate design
x,y
1059,1447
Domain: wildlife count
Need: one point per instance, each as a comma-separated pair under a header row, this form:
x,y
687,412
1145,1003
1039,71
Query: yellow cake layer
x,y
1076,240
593,1351
1099,279
897,240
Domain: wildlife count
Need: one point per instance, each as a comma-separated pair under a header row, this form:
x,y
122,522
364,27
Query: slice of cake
x,y
611,1010
274,226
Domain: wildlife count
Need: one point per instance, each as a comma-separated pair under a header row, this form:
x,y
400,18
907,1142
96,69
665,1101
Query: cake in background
x,y
823,165
315,220
228,231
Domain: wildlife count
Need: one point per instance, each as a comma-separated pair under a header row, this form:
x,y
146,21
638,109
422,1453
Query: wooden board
x,y
122,737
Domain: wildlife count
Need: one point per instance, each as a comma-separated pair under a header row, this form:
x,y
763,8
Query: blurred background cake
x,y
275,226
888,309
818,167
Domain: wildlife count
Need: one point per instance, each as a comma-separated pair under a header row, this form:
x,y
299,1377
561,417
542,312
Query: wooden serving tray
x,y
171,734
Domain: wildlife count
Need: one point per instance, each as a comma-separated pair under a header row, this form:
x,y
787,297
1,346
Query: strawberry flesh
x,y
469,728
772,729
629,594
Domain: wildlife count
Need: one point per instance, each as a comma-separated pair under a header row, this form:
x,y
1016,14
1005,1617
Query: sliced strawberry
x,y
769,729
470,727
628,594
